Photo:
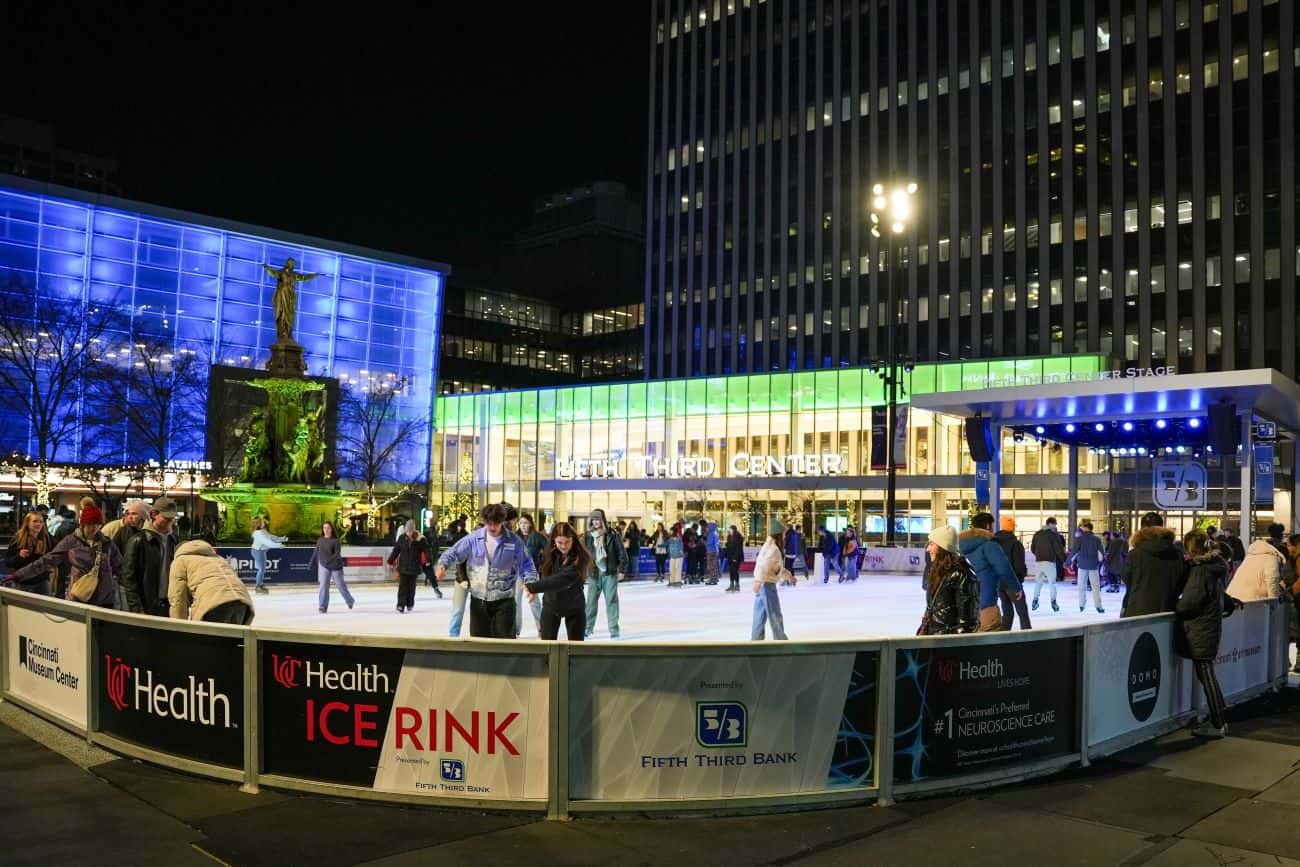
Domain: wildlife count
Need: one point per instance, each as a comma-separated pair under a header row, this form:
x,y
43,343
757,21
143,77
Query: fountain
x,y
287,427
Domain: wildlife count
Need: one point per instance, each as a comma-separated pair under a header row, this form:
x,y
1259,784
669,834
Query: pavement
x,y
1175,801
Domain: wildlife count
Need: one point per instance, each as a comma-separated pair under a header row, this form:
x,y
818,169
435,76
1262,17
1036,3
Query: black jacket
x,y
563,589
1200,608
1014,550
1116,552
735,549
1239,549
1048,546
954,606
1155,573
13,562
406,554
145,564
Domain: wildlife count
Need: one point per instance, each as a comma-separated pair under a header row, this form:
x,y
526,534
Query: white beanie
x,y
946,538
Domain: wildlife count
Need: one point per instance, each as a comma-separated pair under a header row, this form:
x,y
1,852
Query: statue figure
x,y
255,448
297,452
316,440
286,297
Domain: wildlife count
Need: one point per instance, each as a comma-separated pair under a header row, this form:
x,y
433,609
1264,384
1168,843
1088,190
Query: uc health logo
x,y
286,670
116,674
947,668
721,724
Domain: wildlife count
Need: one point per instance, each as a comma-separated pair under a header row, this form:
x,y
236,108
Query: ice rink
x,y
876,606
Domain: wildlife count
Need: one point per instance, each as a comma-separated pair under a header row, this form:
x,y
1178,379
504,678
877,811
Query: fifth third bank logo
x,y
721,724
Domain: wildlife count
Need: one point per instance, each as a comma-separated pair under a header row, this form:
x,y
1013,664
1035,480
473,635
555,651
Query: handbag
x,y
83,588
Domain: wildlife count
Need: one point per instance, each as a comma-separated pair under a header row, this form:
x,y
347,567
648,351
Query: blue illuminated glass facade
x,y
201,283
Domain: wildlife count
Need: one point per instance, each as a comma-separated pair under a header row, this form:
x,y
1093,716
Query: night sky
x,y
429,134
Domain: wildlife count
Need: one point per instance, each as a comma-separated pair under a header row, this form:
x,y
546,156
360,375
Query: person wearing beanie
x,y
952,590
609,565
84,551
409,555
147,561
135,514
991,567
1012,603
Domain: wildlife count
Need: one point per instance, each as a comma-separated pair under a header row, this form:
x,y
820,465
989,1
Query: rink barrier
x,y
567,729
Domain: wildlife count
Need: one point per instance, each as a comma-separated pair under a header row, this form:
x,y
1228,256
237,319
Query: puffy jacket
x,y
1200,608
954,604
1116,553
563,589
200,580
675,549
1260,575
736,547
146,562
493,580
1015,551
990,564
1155,573
1047,545
1088,550
409,555
74,551
711,541
791,544
769,563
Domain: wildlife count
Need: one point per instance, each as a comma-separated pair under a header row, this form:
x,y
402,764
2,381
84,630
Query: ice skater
x,y
496,560
1088,553
1048,549
768,571
830,555
409,555
735,552
676,555
565,566
263,540
610,564
327,559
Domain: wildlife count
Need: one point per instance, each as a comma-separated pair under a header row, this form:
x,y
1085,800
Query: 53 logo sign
x,y
721,724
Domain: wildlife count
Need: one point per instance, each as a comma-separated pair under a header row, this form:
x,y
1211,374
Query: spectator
x,y
135,514
991,567
1155,571
1049,551
147,561
953,594
1200,615
632,538
768,571
1260,575
1012,603
495,559
735,555
263,540
1275,534
93,563
1292,581
30,544
1239,548
565,565
1088,552
660,542
203,586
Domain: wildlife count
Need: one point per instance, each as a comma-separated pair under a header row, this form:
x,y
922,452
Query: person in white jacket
x,y
769,568
1260,575
263,540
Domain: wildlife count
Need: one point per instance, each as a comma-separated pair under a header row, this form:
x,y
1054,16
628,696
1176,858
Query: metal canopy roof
x,y
1267,392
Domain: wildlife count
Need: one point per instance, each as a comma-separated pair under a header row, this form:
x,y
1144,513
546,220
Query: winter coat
x,y
1088,551
829,548
563,589
955,603
1260,574
792,544
1015,551
1047,546
1239,549
120,532
768,565
73,550
146,563
1154,574
736,548
711,541
675,549
1116,551
493,579
264,540
535,544
409,555
1200,608
615,553
200,580
13,562
328,554
990,564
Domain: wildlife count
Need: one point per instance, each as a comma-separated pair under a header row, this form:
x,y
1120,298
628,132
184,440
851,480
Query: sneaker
x,y
1080,609
350,601
322,611
262,590
439,592
401,610
1207,729
1101,610
1035,606
1055,607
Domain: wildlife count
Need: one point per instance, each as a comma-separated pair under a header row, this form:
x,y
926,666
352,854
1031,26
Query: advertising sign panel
x,y
1152,688
692,727
965,709
177,692
47,662
291,565
419,722
1242,662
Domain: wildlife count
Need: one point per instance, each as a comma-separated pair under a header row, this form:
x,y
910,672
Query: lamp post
x,y
891,208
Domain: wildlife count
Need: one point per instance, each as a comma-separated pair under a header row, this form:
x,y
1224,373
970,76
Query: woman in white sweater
x,y
769,568
263,540
1260,575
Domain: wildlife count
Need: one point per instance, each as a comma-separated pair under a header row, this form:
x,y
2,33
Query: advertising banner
x,y
712,727
965,709
1242,662
291,565
879,424
1264,474
46,657
177,692
418,722
1154,686
893,561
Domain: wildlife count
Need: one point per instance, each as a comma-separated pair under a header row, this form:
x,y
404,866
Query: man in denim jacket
x,y
495,559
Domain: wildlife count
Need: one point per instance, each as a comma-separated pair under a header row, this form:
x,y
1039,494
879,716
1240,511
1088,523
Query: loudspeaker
x,y
1225,429
978,440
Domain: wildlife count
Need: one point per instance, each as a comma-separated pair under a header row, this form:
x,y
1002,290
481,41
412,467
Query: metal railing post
x,y
1082,674
886,676
252,694
557,802
92,677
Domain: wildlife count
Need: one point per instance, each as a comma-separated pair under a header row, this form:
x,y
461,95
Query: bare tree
x,y
50,354
372,435
155,396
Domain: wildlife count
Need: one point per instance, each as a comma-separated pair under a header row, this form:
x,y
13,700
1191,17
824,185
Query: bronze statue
x,y
286,297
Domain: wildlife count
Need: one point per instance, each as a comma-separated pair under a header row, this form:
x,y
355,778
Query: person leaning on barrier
x,y
1155,572
953,594
93,563
29,544
1260,573
565,565
135,514
203,586
1200,611
147,561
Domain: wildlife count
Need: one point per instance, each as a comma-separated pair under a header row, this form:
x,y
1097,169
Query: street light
x,y
891,207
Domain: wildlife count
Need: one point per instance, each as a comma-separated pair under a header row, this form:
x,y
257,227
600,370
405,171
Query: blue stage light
x,y
1099,427
1128,426
1161,423
1181,450
1040,430
1194,423
1069,428
1142,450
